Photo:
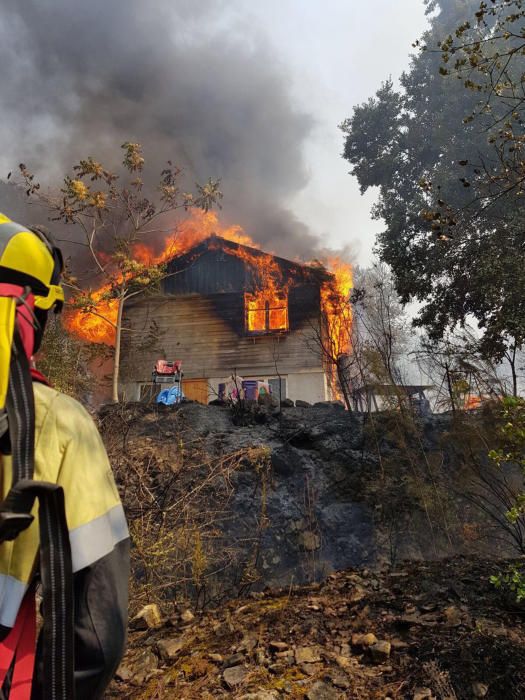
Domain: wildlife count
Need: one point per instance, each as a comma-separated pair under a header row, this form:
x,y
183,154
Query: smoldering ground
x,y
194,82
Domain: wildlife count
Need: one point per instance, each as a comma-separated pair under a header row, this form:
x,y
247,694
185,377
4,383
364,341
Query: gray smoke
x,y
191,81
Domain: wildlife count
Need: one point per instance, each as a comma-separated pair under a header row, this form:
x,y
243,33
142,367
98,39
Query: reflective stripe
x,y
9,228
89,543
12,593
92,541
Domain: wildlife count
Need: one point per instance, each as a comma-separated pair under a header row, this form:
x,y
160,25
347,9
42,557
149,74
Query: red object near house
x,y
165,367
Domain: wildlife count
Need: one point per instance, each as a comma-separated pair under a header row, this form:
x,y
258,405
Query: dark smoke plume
x,y
191,81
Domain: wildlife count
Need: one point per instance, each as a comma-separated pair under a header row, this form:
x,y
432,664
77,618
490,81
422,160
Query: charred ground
x,y
228,507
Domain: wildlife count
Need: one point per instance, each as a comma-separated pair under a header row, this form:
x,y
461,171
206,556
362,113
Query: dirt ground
x,y
425,630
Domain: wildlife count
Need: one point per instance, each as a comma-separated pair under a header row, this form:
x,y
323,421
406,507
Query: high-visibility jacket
x,y
69,451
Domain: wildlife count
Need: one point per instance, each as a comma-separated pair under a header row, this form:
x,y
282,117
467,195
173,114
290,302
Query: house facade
x,y
226,309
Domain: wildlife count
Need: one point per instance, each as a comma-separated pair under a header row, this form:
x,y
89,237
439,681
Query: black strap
x,y
55,549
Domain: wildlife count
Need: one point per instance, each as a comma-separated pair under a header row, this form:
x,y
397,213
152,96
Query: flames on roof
x,y
265,302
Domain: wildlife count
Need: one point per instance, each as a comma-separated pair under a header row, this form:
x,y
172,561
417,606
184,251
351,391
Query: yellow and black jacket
x,y
69,452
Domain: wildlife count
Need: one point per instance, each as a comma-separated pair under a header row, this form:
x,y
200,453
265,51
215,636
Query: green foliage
x,y
445,152
512,580
511,432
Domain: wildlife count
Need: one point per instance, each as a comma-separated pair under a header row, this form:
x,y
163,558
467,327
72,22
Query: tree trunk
x,y
450,391
116,364
512,361
341,377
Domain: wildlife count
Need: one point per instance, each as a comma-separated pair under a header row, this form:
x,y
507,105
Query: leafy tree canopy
x,y
444,151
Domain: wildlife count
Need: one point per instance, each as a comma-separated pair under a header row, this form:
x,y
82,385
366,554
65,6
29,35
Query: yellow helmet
x,y
28,257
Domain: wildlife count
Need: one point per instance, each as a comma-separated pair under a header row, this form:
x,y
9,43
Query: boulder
x,y
380,651
169,649
234,676
148,618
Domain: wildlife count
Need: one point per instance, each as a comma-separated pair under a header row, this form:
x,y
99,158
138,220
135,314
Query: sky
x,y
338,53
249,92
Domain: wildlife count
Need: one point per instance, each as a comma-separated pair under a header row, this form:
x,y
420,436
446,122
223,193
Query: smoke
x,y
191,81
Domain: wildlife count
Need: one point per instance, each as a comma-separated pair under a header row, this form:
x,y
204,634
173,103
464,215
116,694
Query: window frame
x,y
267,310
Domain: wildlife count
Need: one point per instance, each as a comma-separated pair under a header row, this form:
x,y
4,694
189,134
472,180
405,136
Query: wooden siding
x,y
207,334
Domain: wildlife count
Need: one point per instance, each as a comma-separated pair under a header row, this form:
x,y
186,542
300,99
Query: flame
x,y
472,402
99,327
337,312
266,306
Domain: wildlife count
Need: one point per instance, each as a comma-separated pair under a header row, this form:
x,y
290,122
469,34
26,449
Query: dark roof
x,y
314,271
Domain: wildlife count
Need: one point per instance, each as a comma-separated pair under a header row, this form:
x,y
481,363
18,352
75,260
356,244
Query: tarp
x,y
170,396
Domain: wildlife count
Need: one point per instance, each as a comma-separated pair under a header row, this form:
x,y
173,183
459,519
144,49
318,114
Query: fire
x,y
99,326
266,304
335,297
337,312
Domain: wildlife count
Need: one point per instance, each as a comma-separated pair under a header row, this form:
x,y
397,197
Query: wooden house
x,y
226,309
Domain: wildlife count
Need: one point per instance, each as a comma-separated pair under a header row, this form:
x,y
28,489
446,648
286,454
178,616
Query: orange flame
x,y
99,326
337,311
266,307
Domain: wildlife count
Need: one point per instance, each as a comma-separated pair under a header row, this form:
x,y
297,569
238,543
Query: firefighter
x,y
62,527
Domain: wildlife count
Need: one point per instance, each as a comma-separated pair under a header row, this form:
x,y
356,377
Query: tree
x,y
379,313
362,337
64,360
462,375
115,217
430,158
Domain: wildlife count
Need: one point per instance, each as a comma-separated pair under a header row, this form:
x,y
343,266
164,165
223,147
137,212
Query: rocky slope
x,y
274,498
436,630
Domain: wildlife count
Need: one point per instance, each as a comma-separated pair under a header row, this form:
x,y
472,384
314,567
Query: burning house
x,y
225,308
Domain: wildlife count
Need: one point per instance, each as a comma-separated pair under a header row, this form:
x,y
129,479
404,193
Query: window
x,y
266,312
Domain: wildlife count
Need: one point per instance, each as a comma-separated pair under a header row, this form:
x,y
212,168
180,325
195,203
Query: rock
x,y
267,400
399,645
331,404
339,679
453,616
169,648
287,403
187,616
343,662
248,643
344,650
278,646
422,694
148,618
309,540
261,695
216,658
310,669
479,690
302,404
144,666
260,658
380,651
307,655
364,640
234,676
234,660
124,672
322,691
